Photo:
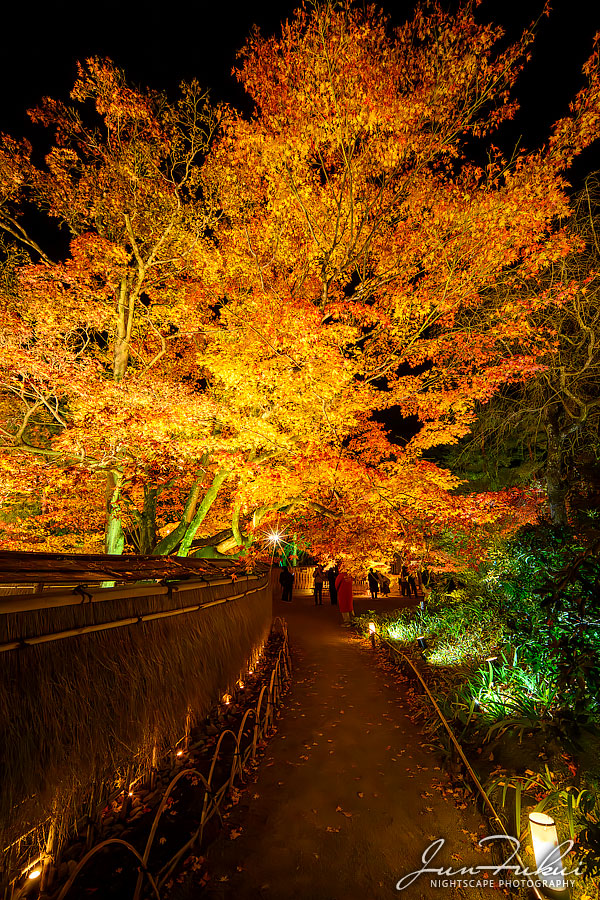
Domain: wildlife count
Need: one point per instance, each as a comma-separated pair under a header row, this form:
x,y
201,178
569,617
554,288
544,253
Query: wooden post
x,y
125,805
153,766
48,868
89,831
188,728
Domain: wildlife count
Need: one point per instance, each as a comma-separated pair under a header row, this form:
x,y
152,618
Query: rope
x,y
488,803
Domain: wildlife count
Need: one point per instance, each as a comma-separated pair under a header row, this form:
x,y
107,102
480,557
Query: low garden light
x,y
226,699
421,642
35,873
372,633
547,851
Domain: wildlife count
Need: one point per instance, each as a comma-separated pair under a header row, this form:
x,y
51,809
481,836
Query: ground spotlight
x,y
372,633
548,855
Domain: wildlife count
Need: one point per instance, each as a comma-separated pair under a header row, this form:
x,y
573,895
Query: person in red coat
x,y
343,585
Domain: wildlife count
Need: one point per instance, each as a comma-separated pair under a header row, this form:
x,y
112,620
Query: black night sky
x,y
159,44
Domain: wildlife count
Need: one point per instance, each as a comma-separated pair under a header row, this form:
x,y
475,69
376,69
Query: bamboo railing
x,y
407,666
77,596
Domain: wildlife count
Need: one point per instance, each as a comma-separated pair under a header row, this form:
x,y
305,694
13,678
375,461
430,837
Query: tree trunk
x,y
202,511
121,351
114,538
170,542
148,521
555,475
128,295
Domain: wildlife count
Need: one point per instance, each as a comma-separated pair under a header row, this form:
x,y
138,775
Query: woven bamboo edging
x,y
262,713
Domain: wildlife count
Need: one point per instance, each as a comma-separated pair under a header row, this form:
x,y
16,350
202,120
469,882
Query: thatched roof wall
x,y
86,568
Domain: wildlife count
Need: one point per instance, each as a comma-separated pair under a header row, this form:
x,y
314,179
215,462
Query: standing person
x,y
384,583
373,584
332,574
286,580
427,582
318,579
343,585
412,584
403,581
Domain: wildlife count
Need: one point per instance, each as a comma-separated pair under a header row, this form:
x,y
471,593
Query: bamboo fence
x,y
98,681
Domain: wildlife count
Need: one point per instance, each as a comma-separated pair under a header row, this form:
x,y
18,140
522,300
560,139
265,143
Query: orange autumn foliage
x,y
236,304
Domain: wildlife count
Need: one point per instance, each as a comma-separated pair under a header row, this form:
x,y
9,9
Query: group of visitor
x,y
378,582
340,589
407,584
340,585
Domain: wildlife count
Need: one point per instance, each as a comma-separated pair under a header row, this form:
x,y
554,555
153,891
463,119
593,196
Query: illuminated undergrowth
x,y
516,646
513,659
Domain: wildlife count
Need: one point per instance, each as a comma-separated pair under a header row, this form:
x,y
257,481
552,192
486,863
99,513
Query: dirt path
x,y
346,799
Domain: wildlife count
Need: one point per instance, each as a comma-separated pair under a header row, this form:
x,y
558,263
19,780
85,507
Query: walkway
x,y
347,798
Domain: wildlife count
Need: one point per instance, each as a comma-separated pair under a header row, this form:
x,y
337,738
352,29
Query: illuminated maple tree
x,y
235,305
552,421
91,349
365,199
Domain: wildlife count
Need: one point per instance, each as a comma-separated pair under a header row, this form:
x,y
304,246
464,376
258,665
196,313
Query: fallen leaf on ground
x,y
343,812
